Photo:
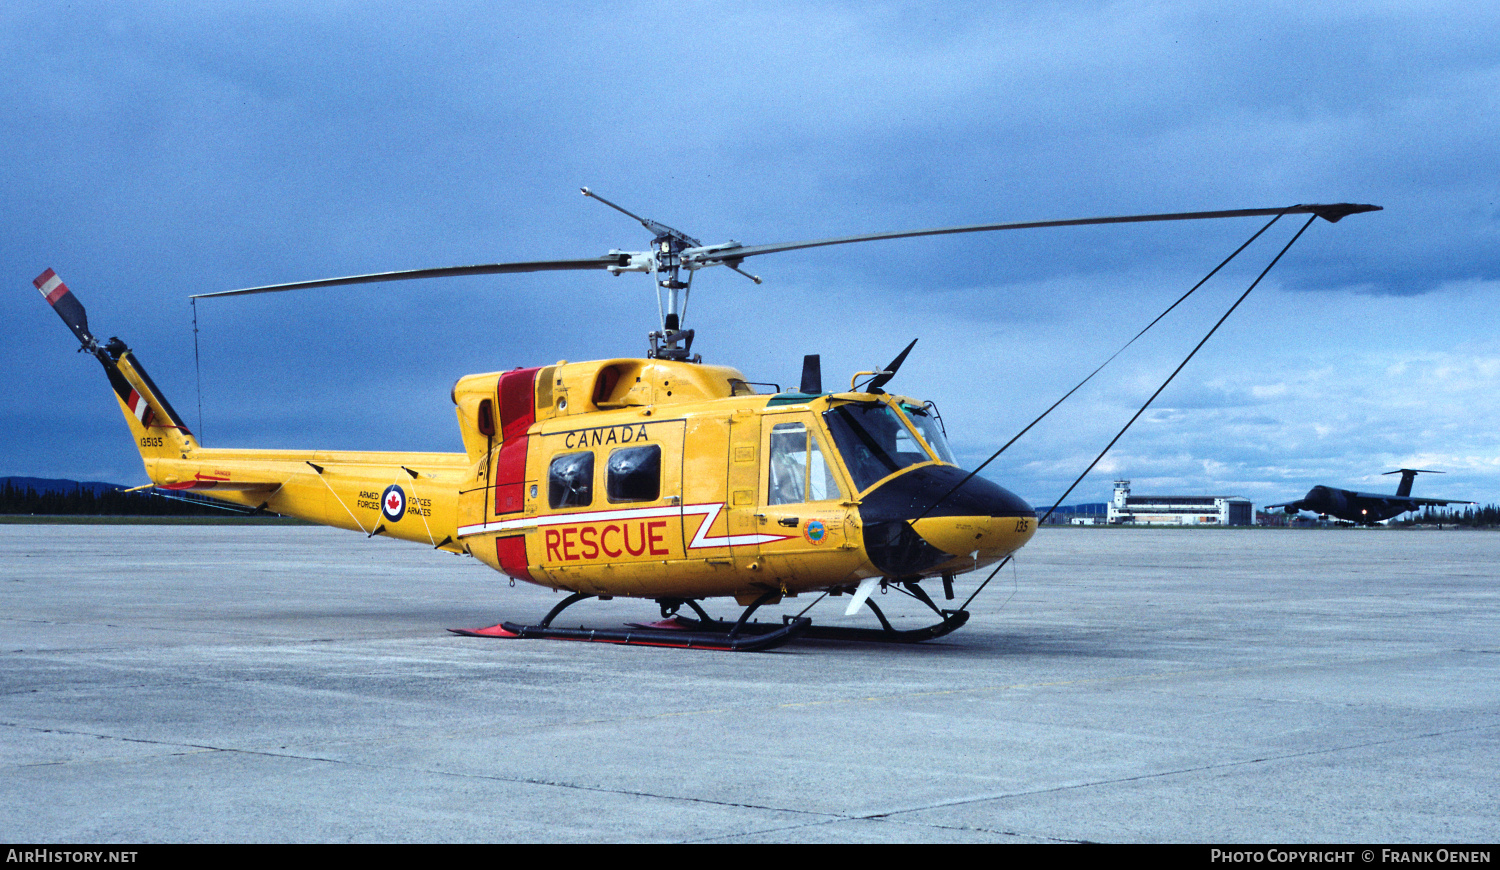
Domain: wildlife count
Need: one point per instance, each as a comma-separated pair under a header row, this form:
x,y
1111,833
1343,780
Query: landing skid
x,y
742,635
952,621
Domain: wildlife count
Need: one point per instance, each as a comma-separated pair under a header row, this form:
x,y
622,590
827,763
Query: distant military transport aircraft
x,y
1365,508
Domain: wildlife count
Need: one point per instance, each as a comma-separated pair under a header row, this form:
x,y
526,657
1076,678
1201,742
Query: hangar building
x,y
1178,510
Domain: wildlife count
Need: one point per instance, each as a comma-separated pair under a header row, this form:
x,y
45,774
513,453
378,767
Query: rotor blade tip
x,y
1338,211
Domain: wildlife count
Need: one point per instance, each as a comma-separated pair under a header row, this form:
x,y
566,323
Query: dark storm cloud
x,y
160,149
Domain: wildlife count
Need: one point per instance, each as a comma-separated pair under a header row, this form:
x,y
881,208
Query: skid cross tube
x,y
951,620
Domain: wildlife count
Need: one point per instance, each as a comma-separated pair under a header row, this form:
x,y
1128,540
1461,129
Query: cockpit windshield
x,y
926,421
873,441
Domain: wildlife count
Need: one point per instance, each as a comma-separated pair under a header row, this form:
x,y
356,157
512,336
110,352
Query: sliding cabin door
x,y
609,507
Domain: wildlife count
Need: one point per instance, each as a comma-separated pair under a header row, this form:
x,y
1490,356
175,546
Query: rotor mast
x,y
665,264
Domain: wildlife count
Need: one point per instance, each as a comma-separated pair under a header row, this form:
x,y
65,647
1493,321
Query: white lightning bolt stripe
x,y
701,540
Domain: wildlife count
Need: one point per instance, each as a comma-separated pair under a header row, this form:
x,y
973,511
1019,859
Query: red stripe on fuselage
x,y
516,393
511,552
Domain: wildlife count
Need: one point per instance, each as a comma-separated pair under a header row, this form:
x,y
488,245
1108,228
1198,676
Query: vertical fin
x,y
1407,476
157,429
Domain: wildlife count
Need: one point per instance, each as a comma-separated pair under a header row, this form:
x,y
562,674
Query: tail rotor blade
x,y
66,305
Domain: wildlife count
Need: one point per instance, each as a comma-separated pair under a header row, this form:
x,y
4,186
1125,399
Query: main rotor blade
x,y
605,262
1332,213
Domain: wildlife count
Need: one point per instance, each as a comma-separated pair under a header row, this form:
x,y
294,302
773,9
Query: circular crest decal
x,y
393,503
815,531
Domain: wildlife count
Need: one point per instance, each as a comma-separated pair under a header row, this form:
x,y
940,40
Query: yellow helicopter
x,y
659,478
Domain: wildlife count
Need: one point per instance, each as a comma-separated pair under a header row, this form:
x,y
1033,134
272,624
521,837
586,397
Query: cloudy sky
x,y
152,150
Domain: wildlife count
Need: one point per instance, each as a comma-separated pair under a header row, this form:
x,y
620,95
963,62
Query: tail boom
x,y
413,496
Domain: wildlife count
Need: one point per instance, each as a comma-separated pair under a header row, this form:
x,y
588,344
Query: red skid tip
x,y
492,631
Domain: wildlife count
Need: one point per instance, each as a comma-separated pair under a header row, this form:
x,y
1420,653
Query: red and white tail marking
x,y
139,407
51,287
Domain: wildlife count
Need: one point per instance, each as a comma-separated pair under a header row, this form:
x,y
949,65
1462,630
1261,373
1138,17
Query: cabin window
x,y
797,468
873,441
570,480
634,474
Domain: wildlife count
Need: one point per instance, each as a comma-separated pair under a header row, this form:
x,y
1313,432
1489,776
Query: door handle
x,y
789,522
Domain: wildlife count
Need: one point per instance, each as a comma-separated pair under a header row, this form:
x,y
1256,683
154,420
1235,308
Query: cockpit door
x,y
803,510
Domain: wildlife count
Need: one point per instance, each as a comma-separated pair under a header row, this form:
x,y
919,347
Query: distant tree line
x,y
82,500
1487,517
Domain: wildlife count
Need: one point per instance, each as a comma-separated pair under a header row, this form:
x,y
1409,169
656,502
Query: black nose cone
x,y
915,493
886,511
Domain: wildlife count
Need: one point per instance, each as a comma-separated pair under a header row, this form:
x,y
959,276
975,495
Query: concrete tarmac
x,y
228,684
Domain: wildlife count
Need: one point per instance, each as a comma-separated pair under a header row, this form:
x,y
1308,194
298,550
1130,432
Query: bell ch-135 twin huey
x,y
660,478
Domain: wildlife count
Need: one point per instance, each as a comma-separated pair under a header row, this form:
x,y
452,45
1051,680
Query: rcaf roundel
x,y
393,503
